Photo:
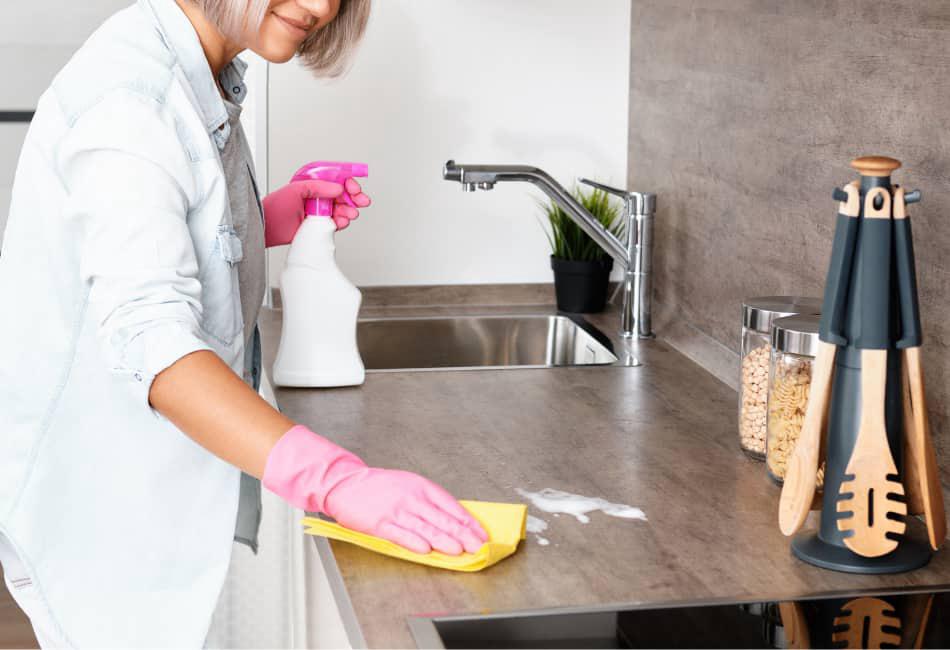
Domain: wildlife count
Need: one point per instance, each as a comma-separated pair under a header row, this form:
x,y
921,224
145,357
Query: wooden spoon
x,y
795,625
802,471
798,491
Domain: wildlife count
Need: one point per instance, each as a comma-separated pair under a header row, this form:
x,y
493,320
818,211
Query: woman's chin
x,y
276,54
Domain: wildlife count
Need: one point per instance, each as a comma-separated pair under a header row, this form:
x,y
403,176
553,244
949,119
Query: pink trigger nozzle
x,y
336,172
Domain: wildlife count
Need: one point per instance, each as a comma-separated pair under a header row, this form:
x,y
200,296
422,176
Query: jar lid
x,y
796,334
758,313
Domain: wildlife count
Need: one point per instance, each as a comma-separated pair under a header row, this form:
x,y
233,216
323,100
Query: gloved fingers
x,y
405,538
356,193
449,525
439,539
441,499
343,215
358,200
352,186
318,189
345,211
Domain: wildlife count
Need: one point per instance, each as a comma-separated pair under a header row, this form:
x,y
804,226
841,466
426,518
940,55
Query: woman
x,y
133,257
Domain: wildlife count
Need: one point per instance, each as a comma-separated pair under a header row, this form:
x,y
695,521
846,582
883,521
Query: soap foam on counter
x,y
537,525
556,501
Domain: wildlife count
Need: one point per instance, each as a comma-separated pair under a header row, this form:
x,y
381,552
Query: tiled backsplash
x,y
744,117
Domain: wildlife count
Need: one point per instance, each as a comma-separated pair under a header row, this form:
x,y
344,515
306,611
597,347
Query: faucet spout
x,y
634,255
485,176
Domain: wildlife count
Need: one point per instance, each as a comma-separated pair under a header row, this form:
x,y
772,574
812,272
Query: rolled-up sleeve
x,y
129,189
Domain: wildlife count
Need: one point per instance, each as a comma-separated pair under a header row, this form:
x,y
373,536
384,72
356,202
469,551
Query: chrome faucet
x,y
635,255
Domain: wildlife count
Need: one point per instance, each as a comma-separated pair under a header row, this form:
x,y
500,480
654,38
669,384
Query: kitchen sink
x,y
481,342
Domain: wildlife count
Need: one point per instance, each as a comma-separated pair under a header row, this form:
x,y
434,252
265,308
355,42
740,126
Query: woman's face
x,y
287,23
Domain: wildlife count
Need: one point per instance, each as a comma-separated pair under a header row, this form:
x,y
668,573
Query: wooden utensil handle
x,y
920,446
873,393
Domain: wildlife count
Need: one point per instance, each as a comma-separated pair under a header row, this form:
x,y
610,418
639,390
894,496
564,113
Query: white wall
x,y
540,82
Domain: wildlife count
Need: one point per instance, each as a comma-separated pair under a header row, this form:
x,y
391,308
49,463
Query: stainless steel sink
x,y
480,342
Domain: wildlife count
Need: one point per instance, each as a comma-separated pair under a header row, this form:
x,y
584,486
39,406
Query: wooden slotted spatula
x,y
868,505
862,622
870,481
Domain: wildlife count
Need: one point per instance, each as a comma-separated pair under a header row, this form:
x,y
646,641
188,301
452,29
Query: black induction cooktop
x,y
894,619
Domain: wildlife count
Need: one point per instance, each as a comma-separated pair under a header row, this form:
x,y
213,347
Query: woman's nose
x,y
318,8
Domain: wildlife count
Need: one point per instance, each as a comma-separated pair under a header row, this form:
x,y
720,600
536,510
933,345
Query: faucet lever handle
x,y
624,194
637,204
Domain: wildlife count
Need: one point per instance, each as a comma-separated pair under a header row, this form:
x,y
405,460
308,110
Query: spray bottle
x,y
320,306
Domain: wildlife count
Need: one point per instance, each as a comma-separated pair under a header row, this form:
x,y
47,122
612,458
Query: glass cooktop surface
x,y
905,619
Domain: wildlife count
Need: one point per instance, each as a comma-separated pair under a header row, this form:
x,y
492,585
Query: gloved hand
x,y
284,208
314,474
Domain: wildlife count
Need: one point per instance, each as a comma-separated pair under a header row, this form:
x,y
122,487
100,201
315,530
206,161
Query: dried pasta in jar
x,y
794,341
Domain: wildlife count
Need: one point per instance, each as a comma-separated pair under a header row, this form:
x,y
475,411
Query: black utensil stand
x,y
865,308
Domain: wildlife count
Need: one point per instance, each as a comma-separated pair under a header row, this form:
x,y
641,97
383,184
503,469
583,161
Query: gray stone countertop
x,y
661,437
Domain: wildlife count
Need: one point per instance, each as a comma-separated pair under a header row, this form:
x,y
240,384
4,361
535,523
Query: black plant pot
x,y
581,286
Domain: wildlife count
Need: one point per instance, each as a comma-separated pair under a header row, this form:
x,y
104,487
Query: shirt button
x,y
138,377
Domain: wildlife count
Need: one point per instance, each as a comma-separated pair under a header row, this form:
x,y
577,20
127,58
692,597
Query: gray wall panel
x,y
744,115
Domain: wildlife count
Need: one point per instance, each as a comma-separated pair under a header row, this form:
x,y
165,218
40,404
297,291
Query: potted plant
x,y
581,267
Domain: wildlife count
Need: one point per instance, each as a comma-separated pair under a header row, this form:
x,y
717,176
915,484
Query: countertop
x,y
660,436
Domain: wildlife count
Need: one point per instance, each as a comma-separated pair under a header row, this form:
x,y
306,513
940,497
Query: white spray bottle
x,y
320,306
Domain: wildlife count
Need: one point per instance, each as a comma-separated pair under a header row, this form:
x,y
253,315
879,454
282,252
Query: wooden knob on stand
x,y
875,165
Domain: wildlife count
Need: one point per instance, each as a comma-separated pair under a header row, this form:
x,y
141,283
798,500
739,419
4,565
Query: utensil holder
x,y
866,303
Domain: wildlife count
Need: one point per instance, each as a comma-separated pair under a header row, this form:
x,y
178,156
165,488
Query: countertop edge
x,y
354,634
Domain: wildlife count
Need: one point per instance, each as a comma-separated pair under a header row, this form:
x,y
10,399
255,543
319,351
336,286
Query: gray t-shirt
x,y
248,219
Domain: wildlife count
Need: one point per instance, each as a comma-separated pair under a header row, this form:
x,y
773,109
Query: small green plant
x,y
567,240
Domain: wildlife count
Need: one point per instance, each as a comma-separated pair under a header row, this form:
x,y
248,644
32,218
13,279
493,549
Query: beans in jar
x,y
753,416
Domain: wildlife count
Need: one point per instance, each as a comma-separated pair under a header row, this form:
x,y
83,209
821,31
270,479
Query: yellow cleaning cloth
x,y
504,523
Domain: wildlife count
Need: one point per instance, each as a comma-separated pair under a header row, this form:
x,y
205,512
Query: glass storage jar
x,y
794,346
757,317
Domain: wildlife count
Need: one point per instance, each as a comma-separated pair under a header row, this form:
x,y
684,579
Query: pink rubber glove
x,y
312,473
284,208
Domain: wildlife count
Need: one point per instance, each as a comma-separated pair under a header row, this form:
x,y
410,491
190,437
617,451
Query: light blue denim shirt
x,y
119,258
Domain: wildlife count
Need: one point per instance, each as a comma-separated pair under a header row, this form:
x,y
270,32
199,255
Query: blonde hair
x,y
327,52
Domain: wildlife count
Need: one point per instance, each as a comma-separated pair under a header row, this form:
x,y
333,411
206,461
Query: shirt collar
x,y
182,40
